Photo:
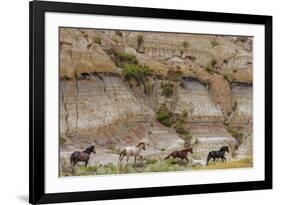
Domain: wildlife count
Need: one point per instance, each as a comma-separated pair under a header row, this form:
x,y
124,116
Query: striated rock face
x,y
97,105
242,100
211,136
80,53
195,98
245,149
198,50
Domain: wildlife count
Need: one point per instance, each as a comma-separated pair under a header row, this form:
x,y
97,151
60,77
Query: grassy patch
x,y
133,71
126,58
167,89
243,163
140,41
164,116
214,43
185,44
151,165
98,40
62,141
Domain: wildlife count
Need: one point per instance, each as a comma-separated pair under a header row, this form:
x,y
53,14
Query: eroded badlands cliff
x,y
198,92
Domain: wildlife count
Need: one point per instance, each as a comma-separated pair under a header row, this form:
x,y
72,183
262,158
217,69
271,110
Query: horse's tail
x,y
167,157
72,159
121,154
208,158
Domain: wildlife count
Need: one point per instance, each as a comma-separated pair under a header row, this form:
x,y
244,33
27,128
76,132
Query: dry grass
x,y
243,163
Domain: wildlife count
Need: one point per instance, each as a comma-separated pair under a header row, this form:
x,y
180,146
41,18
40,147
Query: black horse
x,y
83,156
217,154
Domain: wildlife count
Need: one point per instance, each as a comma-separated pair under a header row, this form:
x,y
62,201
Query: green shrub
x,y
98,40
164,116
214,43
175,75
226,77
242,39
187,136
185,44
133,71
62,141
197,141
127,58
179,126
167,89
209,69
148,88
150,161
213,63
140,41
162,149
119,33
184,113
239,136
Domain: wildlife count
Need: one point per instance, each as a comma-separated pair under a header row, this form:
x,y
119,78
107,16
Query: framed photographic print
x,y
141,102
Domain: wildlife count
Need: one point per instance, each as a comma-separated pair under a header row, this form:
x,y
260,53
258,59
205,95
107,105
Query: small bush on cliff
x,y
184,113
213,63
133,71
242,39
167,89
98,40
185,44
179,126
126,58
164,116
214,43
140,41
239,136
62,141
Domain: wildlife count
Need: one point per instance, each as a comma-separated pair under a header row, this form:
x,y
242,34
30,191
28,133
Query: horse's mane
x,y
187,149
223,148
89,149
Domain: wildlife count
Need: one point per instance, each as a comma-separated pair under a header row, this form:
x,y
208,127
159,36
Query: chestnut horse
x,y
132,151
182,154
83,156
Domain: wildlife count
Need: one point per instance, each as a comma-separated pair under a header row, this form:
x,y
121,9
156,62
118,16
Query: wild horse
x,y
180,154
132,151
83,156
217,154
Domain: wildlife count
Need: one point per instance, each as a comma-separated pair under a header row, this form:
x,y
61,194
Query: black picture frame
x,y
37,10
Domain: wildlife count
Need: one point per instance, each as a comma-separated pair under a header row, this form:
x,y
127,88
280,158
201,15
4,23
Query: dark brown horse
x,y
217,154
83,156
182,154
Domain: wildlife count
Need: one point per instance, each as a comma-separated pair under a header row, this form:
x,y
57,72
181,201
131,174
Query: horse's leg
x,y
127,158
214,159
121,158
74,163
186,160
86,163
136,158
224,159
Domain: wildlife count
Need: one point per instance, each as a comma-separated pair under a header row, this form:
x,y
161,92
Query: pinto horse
x,y
83,156
182,154
217,154
132,151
